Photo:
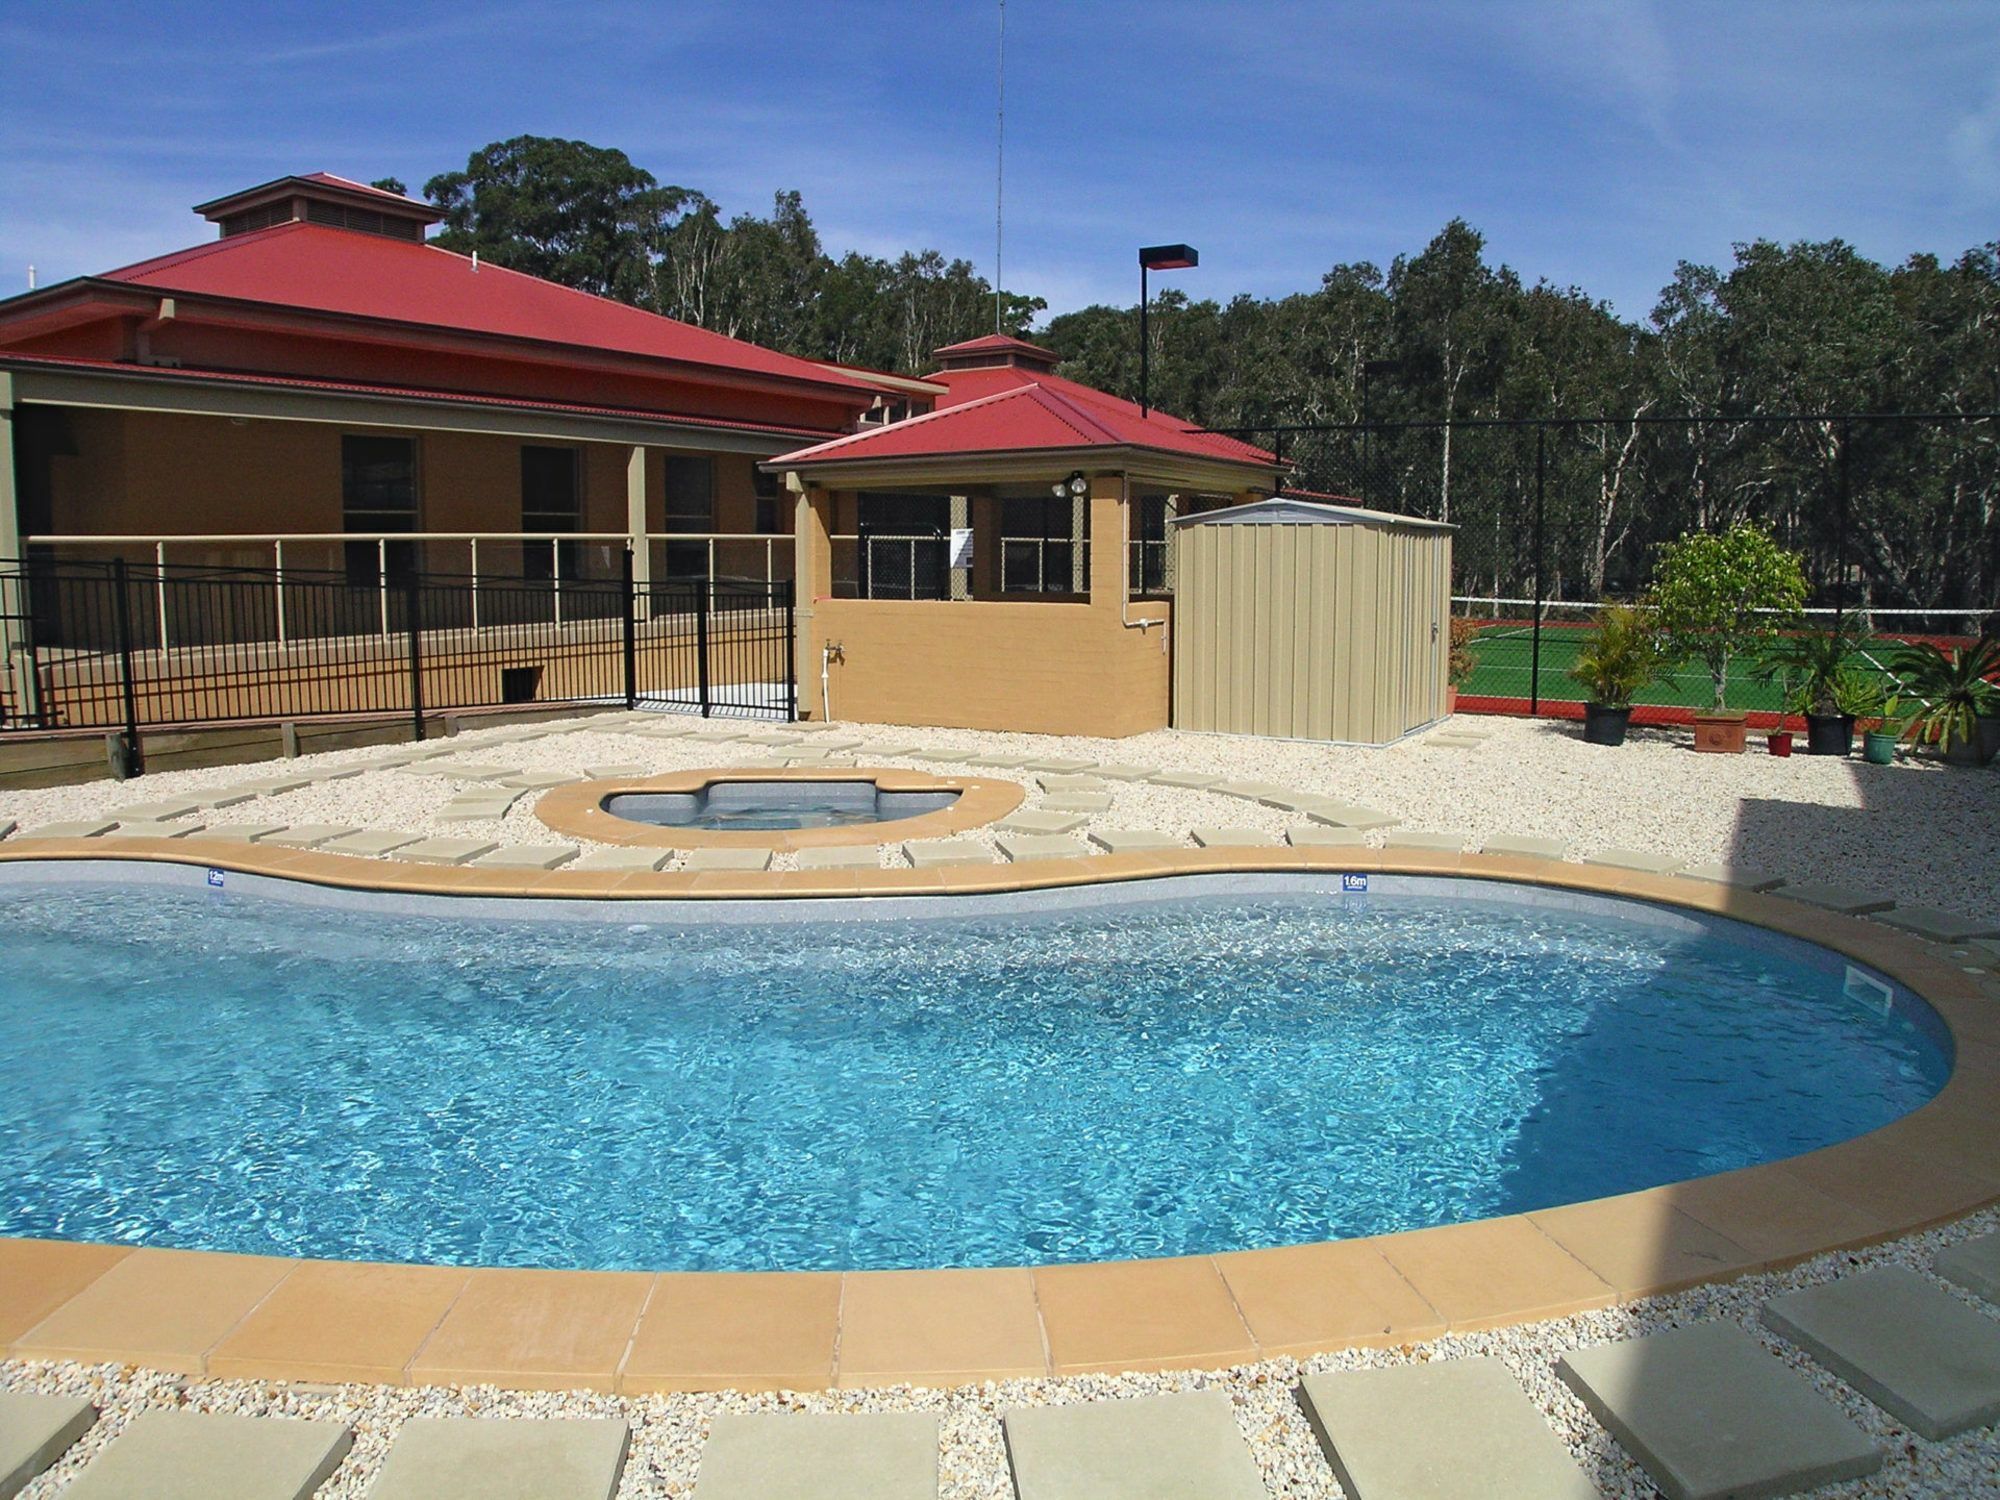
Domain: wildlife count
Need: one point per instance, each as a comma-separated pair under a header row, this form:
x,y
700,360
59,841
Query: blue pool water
x,y
1157,1078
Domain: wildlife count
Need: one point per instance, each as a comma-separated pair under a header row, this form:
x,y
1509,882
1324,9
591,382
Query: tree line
x,y
1439,342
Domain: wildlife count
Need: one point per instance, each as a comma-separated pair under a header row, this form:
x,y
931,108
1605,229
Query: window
x,y
551,500
690,507
378,494
903,547
1151,537
769,491
1038,553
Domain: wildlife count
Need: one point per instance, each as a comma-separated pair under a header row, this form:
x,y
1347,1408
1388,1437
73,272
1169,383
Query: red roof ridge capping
x,y
314,268
831,447
331,179
994,341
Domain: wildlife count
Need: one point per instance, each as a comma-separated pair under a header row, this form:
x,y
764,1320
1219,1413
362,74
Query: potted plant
x,y
1623,654
1461,661
1812,668
1721,598
1780,741
1878,745
1954,686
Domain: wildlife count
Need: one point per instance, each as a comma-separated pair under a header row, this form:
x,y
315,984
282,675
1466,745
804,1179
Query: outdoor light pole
x,y
1371,367
1156,258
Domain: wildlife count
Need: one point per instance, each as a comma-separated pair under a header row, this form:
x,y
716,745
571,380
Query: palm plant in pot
x,y
1957,688
1461,661
1878,745
1819,684
1624,654
1720,599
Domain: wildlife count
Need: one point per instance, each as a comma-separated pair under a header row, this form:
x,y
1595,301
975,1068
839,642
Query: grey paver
x,y
606,772
1132,840
1068,785
1192,781
537,781
456,770
1119,770
487,1458
179,1455
1438,1431
933,853
370,843
1033,820
1453,741
275,786
1319,836
1838,898
1020,846
153,812
727,859
1710,1413
841,857
998,762
1632,859
668,730
1532,848
820,1456
839,742
241,833
1062,765
7,826
1078,802
938,757
340,773
1217,836
1973,1264
75,828
623,859
1179,1447
1742,877
1351,815
889,750
527,857
444,851
221,797
309,835
159,828
1292,801
35,1431
1939,926
1412,838
1919,1353
1255,791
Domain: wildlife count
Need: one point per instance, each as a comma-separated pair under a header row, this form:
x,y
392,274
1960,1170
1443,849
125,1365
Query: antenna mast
x,y
999,165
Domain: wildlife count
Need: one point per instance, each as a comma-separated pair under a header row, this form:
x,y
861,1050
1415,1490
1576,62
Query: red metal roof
x,y
1008,409
314,268
995,343
408,393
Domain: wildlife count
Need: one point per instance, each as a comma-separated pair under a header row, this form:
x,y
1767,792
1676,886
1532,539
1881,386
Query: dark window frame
x,y
367,562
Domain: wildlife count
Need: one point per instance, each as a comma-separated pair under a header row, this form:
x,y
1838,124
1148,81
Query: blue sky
x,y
1595,143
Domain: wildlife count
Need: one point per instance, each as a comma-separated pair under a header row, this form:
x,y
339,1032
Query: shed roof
x,y
1285,510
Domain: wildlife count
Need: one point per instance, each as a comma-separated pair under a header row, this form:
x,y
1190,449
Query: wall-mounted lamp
x,y
1073,488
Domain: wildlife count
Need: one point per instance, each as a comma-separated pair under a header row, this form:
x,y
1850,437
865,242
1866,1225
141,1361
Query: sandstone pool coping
x,y
243,1316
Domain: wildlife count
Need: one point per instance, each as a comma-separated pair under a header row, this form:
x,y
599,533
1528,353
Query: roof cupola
x,y
321,198
996,351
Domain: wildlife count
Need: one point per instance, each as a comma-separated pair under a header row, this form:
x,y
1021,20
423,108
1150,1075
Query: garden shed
x,y
1307,620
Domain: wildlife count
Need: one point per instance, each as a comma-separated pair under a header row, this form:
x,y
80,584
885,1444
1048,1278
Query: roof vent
x,y
321,198
996,350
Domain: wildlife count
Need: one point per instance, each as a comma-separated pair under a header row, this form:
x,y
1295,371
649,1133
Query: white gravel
x,y
668,1431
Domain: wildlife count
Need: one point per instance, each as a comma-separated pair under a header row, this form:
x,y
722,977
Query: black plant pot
x,y
1829,734
1989,737
1605,726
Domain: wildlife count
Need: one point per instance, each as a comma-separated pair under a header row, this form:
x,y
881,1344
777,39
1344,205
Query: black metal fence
x,y
127,647
1896,515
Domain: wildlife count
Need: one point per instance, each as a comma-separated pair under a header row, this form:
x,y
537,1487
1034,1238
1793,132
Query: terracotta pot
x,y
1721,734
1451,700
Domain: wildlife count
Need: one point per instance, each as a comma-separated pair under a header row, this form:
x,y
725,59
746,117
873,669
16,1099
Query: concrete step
x,y
444,851
727,859
1228,837
820,1456
1078,802
841,857
1032,820
1319,836
1974,1265
69,828
1710,1414
1532,848
1632,859
1061,765
1178,1447
934,853
480,1458
370,843
1118,770
1411,838
1930,922
1919,1353
619,770
1836,898
310,835
526,857
537,781
180,1455
1193,781
35,1431
1132,840
1020,846
1439,1431
623,859
1742,877
1350,815
1254,791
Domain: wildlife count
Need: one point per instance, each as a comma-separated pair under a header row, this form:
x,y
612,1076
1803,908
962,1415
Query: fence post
x,y
631,637
791,655
1845,481
703,589
1535,651
413,607
131,760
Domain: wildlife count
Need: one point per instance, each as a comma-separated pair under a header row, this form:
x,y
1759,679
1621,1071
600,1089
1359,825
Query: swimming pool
x,y
1078,1079
749,806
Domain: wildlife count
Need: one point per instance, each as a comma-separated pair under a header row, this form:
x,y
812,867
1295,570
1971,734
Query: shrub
x,y
1623,654
1463,660
1724,596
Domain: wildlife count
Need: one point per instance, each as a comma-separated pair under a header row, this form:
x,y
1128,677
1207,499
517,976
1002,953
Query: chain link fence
x,y
1897,517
